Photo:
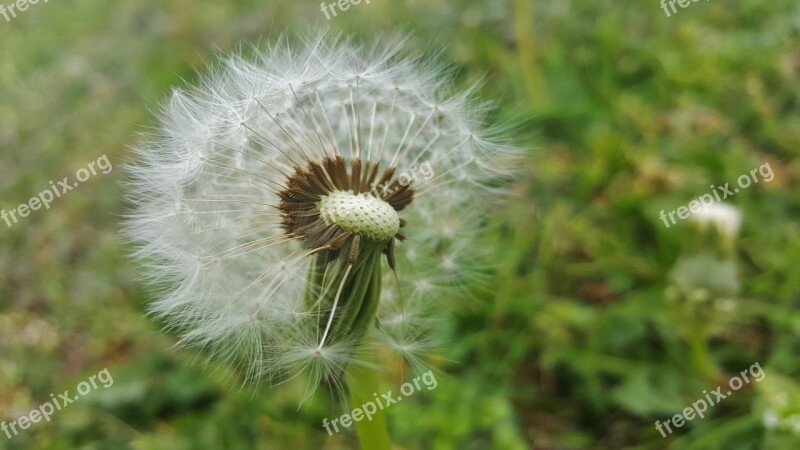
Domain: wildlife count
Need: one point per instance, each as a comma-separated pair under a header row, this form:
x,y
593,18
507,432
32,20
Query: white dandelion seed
x,y
284,191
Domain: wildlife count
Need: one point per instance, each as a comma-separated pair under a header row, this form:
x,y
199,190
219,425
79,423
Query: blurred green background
x,y
577,345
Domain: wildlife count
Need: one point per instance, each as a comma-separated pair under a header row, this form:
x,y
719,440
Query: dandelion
x,y
723,217
704,283
318,198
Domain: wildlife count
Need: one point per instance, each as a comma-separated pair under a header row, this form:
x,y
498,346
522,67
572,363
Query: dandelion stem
x,y
698,346
362,383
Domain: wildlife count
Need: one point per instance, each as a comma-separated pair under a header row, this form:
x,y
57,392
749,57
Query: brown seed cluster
x,y
299,205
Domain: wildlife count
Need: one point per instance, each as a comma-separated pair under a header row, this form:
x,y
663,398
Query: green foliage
x,y
573,345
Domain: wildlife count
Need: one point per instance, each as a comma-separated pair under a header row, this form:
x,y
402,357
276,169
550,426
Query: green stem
x,y
362,383
527,52
698,347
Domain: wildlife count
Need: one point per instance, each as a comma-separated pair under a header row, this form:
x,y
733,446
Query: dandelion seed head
x,y
726,218
280,181
362,214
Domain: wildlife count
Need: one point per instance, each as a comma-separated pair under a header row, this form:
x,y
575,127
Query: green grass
x,y
626,112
